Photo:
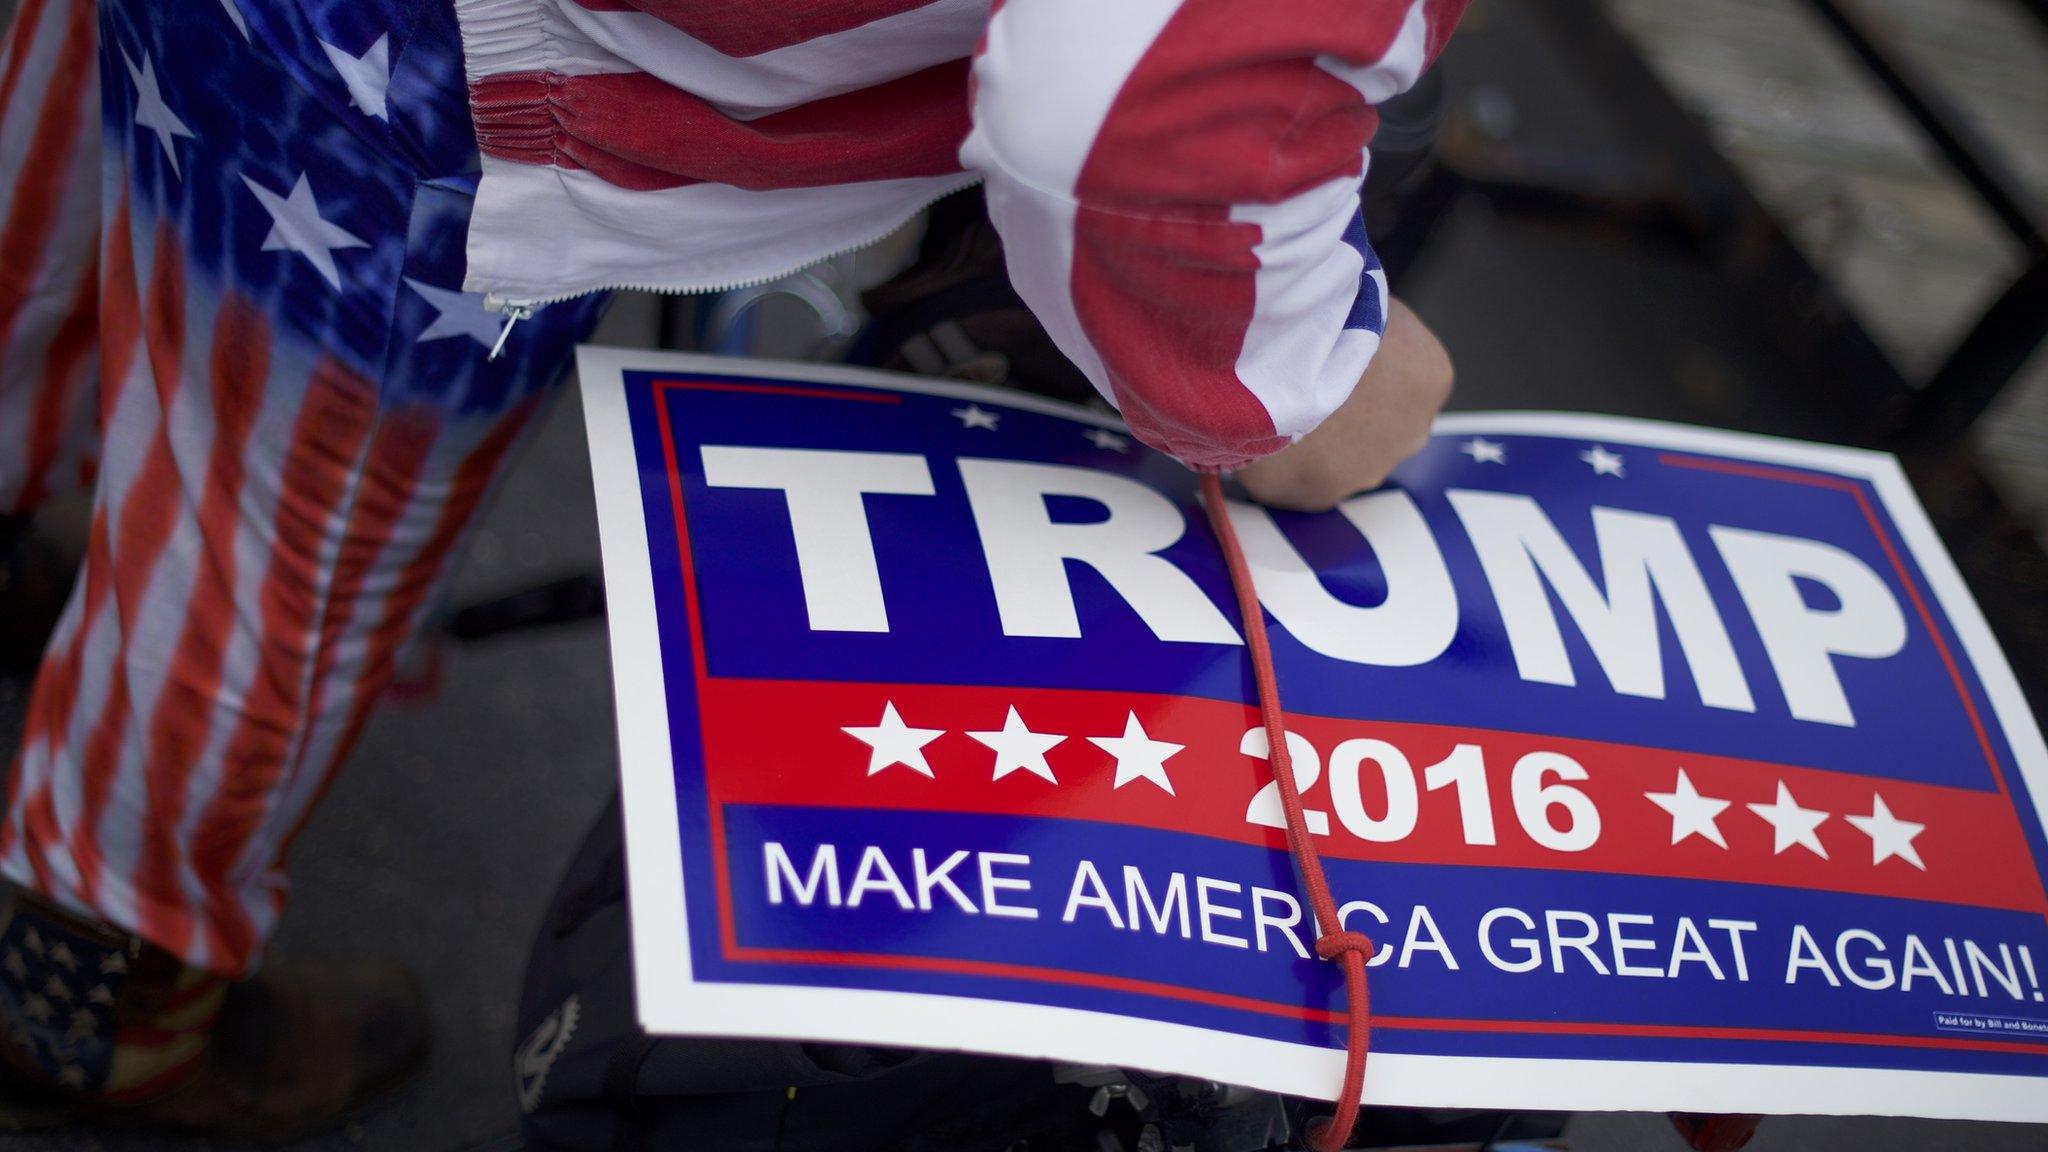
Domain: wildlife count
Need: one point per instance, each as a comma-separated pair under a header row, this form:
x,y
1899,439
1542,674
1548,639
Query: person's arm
x,y
1176,182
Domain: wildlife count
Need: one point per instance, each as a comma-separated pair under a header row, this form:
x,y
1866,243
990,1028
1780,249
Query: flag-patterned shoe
x,y
97,1026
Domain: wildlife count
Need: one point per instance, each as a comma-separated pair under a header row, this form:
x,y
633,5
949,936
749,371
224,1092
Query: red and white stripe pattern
x,y
685,145
264,541
49,219
1176,180
269,529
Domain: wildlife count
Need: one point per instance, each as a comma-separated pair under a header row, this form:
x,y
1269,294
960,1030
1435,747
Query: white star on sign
x,y
235,14
1889,835
297,226
892,742
15,965
1018,747
36,1008
975,416
1484,451
1106,440
152,113
456,314
368,76
1791,824
62,956
1138,756
1604,463
1691,813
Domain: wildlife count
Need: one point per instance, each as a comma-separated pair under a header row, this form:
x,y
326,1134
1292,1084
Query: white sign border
x,y
670,1002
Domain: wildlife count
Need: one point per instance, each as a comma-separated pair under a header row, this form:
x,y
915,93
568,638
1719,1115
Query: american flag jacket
x,y
1176,181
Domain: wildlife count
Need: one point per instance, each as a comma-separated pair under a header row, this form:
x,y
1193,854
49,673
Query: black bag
x,y
589,1079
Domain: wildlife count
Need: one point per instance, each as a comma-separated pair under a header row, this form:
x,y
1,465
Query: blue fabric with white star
x,y
58,988
317,156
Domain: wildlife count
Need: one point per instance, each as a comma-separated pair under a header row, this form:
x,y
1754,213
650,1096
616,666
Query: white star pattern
x,y
56,987
1791,824
1604,463
297,226
36,1008
1106,440
235,14
1484,451
15,965
1691,813
115,962
152,113
1889,835
456,314
1018,748
891,742
62,956
975,416
100,994
368,76
1138,755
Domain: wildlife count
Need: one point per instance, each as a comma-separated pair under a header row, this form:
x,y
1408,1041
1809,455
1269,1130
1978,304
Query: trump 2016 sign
x,y
1667,768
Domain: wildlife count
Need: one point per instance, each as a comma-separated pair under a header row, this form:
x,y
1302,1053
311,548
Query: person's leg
x,y
300,423
49,228
49,362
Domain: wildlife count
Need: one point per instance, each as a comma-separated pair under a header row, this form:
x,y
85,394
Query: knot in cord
x,y
1334,944
1350,949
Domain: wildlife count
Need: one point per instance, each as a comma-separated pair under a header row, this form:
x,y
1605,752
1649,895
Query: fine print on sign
x,y
1667,768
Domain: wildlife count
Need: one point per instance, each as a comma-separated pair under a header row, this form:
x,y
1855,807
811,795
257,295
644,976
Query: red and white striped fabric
x,y
49,134
295,419
1175,180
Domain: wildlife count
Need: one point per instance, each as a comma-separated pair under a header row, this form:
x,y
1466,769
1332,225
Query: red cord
x,y
1351,949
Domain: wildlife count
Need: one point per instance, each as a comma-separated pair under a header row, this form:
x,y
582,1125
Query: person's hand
x,y
1385,421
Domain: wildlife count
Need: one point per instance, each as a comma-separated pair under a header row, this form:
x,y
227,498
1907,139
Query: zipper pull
x,y
514,313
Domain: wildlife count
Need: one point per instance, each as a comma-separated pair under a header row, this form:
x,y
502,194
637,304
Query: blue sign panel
x,y
1666,768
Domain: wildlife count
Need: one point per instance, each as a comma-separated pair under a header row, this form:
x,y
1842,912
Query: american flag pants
x,y
231,246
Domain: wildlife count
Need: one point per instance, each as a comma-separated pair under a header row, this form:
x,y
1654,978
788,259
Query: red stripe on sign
x,y
639,132
751,29
1912,587
783,742
1381,1021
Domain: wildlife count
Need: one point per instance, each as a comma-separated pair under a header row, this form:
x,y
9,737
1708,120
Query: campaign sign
x,y
1667,768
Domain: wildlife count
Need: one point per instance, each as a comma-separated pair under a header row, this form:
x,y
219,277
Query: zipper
x,y
514,313
516,309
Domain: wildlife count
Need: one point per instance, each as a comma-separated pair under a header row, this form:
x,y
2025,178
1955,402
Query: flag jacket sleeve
x,y
1176,183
